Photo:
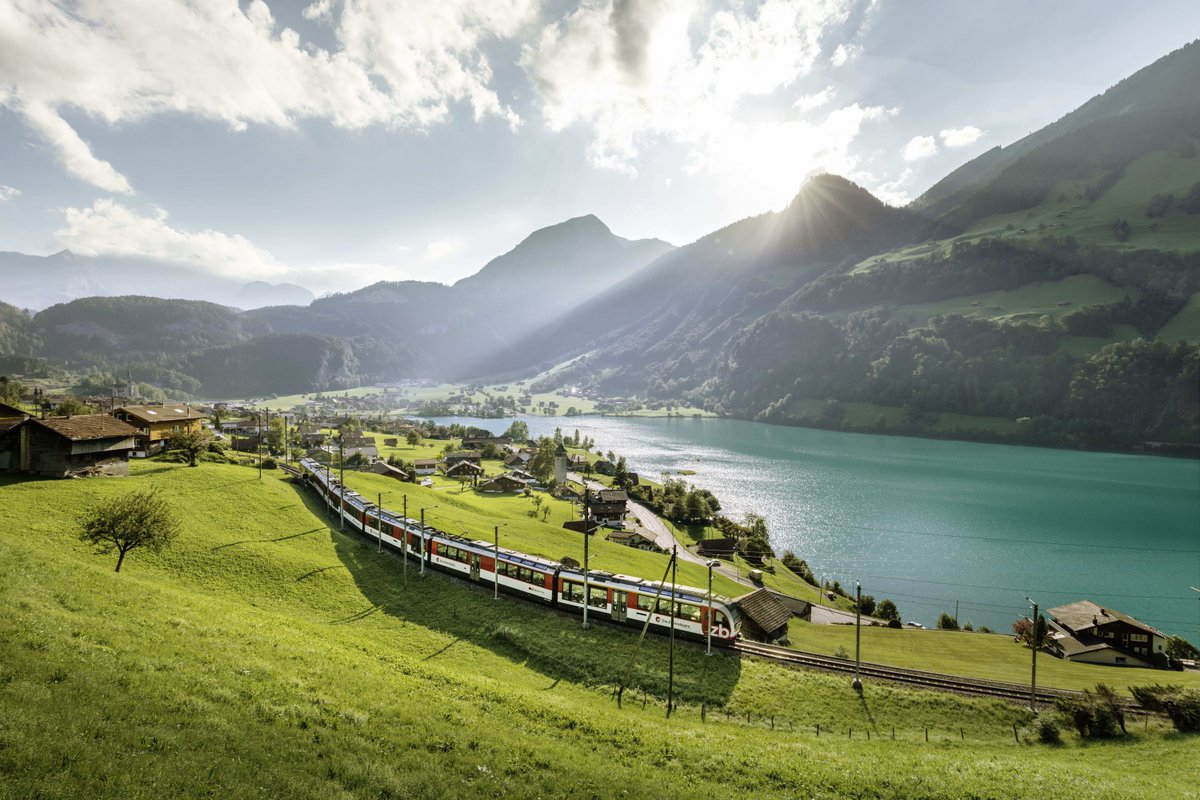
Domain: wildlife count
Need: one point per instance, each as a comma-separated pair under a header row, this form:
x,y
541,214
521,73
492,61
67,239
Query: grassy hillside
x,y
265,655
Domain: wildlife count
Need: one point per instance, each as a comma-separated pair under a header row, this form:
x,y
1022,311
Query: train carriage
x,y
620,598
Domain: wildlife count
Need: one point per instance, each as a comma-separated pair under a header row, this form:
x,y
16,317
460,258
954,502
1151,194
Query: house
x,y
462,455
604,467
157,422
478,442
524,477
384,468
519,459
578,462
62,447
635,540
1085,631
425,466
722,548
607,506
501,483
11,412
464,469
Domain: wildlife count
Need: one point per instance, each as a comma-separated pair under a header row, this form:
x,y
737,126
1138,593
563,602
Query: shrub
x,y
1047,730
1095,716
1182,706
269,463
841,652
946,622
894,623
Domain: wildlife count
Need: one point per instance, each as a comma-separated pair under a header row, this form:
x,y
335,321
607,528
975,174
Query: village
x,y
618,503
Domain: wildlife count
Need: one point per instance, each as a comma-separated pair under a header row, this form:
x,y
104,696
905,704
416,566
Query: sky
x,y
335,143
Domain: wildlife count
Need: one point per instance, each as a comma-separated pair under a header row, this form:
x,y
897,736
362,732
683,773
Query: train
x,y
622,599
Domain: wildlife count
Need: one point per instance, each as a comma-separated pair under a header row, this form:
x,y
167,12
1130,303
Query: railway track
x,y
930,680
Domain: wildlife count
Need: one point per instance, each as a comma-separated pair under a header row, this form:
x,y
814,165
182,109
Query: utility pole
x,y
1034,643
424,544
956,614
586,525
671,651
379,512
341,483
496,566
710,564
404,542
258,422
857,684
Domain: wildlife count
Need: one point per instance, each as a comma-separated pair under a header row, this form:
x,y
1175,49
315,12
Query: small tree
x,y
135,519
887,610
946,622
190,442
413,438
1180,648
1023,631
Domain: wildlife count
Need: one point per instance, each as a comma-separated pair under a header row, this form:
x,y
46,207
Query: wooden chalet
x,y
719,547
501,483
608,506
384,468
11,412
1085,631
635,540
157,422
471,456
479,442
62,447
425,466
463,469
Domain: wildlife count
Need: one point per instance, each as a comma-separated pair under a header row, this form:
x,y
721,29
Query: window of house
x,y
1140,637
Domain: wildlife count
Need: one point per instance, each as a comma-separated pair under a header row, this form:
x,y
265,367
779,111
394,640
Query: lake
x,y
930,523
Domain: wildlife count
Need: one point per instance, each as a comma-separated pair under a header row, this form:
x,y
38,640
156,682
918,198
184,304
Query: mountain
x,y
1172,82
37,282
670,318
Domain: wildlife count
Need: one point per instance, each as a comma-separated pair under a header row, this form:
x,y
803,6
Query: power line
x,y
1025,589
1077,545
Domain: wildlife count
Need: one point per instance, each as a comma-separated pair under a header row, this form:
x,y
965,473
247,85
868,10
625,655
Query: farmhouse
x,y
501,483
1085,631
9,412
61,447
155,423
462,455
464,469
608,506
635,540
425,466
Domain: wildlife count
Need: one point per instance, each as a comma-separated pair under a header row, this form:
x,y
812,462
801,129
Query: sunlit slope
x,y
266,655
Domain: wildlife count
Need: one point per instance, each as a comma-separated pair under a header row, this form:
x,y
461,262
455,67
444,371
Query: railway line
x,y
930,680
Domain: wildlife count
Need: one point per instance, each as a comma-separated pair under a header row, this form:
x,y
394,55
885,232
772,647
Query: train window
x,y
645,602
597,596
572,591
687,611
719,619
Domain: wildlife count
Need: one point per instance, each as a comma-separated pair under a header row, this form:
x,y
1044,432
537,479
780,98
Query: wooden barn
x,y
62,447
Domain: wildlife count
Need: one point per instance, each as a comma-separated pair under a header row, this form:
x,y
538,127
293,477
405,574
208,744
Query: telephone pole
x,y
857,683
1034,643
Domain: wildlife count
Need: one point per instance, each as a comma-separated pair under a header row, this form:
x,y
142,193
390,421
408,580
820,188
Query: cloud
x,y
920,147
8,193
960,137
810,102
657,70
443,249
845,53
110,228
72,152
322,10
399,64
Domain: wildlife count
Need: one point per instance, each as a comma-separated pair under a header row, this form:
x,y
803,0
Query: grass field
x,y
1185,325
266,655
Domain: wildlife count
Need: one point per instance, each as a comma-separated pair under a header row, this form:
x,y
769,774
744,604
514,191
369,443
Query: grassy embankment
x,y
266,655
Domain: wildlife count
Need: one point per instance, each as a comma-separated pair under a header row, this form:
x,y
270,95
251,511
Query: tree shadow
x,y
539,637
318,571
261,541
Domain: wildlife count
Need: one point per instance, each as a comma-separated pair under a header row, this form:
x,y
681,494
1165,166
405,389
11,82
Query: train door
x,y
474,561
620,604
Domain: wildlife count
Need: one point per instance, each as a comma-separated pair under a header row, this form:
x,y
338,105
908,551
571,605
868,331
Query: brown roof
x,y
1085,615
88,426
155,412
612,496
8,423
764,610
10,411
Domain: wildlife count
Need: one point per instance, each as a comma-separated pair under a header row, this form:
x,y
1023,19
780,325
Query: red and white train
x,y
620,598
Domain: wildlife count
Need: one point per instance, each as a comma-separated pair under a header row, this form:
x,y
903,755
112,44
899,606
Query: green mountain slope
x,y
266,655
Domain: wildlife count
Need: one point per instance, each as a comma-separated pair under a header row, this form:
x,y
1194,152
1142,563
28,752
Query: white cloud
x,y
810,102
960,137
109,228
920,147
894,193
637,72
844,53
8,193
443,249
401,64
72,152
322,10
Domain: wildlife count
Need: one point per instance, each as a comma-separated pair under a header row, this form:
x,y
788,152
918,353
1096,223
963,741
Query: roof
x,y
761,607
8,423
164,412
501,482
464,466
425,462
88,426
1085,615
612,496
11,411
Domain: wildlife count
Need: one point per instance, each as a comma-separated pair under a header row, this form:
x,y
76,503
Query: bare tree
x,y
140,518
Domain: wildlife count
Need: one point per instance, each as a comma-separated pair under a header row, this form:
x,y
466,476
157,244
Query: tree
x,y
71,407
887,610
946,622
190,442
275,436
135,519
1178,648
541,466
867,605
413,438
1023,631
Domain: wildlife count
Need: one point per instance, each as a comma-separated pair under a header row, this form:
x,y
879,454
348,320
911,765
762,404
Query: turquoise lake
x,y
928,523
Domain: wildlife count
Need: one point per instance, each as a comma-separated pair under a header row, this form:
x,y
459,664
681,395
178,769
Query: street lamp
x,y
423,545
857,684
711,564
1033,645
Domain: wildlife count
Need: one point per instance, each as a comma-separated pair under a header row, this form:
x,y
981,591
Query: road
x,y
652,527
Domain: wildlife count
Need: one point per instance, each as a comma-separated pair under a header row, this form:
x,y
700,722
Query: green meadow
x,y
266,654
